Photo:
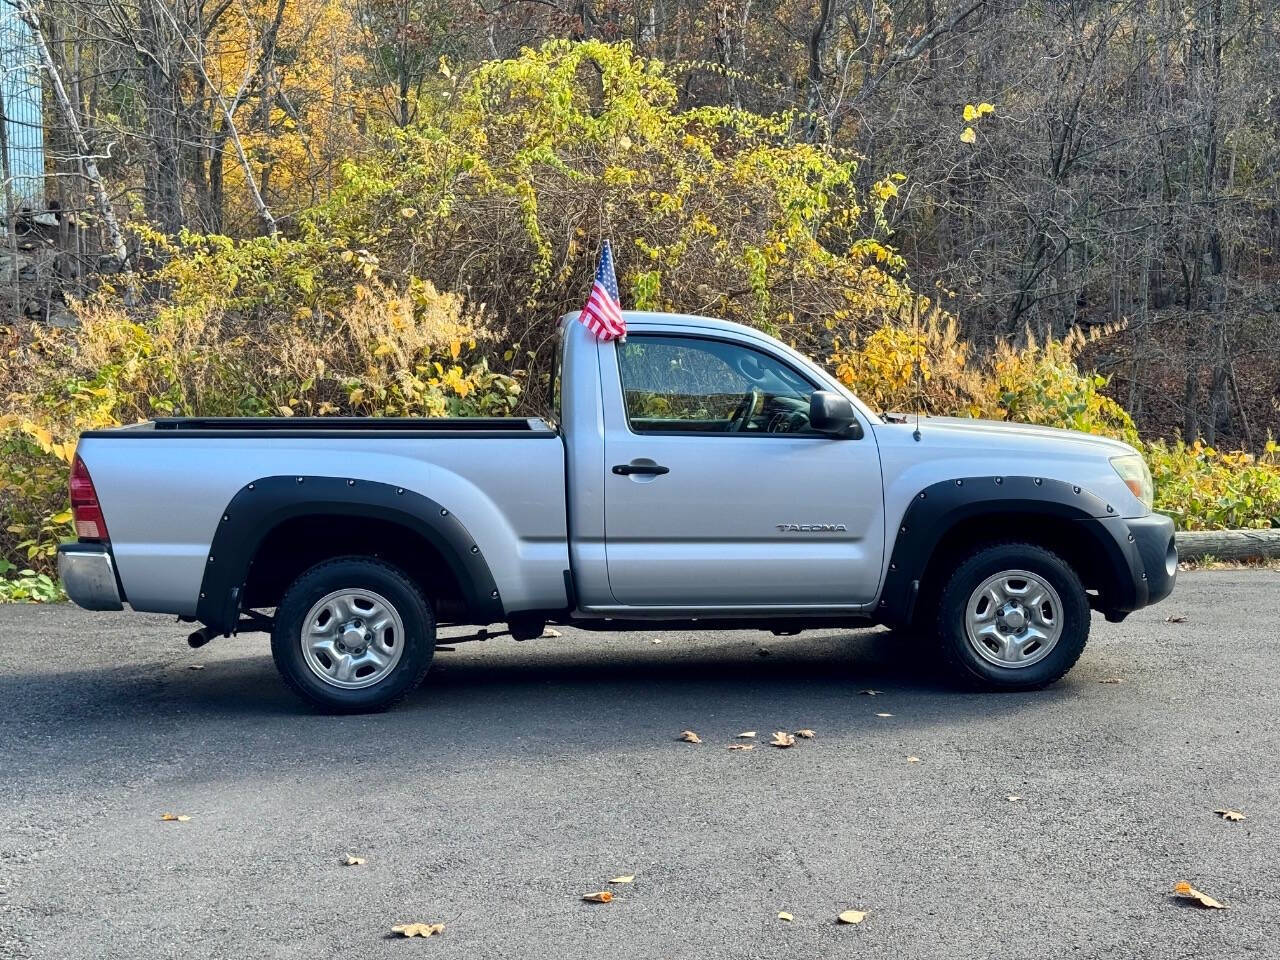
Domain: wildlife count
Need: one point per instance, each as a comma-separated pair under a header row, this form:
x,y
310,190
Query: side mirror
x,y
831,413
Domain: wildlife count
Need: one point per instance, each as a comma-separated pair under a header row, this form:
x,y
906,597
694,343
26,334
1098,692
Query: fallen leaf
x,y
196,666
418,929
179,817
548,632
604,896
785,916
1013,798
869,693
742,746
747,735
852,916
884,714
353,861
782,739
913,759
656,640
806,734
1112,680
1233,815
1179,618
1188,892
688,736
623,879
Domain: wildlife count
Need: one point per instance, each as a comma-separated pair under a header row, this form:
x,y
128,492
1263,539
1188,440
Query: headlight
x,y
1133,471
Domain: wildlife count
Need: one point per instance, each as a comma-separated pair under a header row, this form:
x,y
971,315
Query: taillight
x,y
84,504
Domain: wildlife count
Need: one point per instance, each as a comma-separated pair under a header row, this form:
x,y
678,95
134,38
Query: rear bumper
x,y
88,575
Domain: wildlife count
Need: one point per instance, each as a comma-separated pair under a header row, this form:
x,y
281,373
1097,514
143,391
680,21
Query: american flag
x,y
603,313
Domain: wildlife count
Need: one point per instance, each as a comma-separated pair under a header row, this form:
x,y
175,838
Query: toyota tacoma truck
x,y
697,474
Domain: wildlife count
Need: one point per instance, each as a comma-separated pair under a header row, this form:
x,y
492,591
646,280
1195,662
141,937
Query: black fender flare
x,y
937,509
262,505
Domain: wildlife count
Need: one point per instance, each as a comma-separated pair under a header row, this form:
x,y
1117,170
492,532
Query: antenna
x,y
919,369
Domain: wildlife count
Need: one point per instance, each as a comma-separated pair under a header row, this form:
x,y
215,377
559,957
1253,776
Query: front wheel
x,y
1013,616
353,635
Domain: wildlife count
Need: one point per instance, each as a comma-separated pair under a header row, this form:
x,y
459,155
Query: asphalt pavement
x,y
524,775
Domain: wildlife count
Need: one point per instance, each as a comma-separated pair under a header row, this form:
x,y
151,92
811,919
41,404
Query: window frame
x,y
649,334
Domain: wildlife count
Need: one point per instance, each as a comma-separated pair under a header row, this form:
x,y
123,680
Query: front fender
x,y
938,509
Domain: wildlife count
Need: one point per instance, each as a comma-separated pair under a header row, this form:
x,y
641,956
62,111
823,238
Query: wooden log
x,y
1228,544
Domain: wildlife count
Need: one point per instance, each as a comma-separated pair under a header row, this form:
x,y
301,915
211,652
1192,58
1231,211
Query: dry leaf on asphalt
x,y
179,817
656,640
852,916
603,896
913,759
1013,798
1232,815
688,736
742,746
1188,892
884,714
870,693
623,879
1180,618
548,632
196,666
747,735
785,916
418,929
806,734
353,861
1112,680
782,739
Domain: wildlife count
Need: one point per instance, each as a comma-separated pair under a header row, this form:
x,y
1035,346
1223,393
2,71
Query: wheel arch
x,y
276,527
951,519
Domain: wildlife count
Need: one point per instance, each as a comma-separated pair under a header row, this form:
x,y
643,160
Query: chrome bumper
x,y
89,576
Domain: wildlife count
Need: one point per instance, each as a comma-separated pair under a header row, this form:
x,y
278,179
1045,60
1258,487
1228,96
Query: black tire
x,y
965,664
358,573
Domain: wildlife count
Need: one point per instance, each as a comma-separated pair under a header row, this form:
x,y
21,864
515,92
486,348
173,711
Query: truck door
x,y
717,492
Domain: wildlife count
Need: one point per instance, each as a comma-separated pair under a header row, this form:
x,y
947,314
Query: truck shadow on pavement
x,y
549,687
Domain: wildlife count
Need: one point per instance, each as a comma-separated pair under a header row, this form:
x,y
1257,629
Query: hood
x,y
1006,433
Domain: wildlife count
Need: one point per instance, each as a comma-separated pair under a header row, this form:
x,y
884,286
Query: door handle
x,y
643,469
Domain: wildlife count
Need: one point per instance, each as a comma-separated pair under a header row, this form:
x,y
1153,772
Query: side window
x,y
692,385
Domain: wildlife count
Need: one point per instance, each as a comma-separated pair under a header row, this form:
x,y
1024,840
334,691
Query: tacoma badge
x,y
811,527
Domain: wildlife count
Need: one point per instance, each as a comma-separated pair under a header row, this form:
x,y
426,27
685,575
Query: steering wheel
x,y
742,412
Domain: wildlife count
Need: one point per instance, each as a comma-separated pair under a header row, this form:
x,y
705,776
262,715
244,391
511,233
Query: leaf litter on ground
x,y
852,916
600,896
782,739
1235,816
418,929
1187,892
688,736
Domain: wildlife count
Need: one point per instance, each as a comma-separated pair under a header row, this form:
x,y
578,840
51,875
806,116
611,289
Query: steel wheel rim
x,y
352,638
1013,619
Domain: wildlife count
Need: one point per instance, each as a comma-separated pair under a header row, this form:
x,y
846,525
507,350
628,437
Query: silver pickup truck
x,y
699,473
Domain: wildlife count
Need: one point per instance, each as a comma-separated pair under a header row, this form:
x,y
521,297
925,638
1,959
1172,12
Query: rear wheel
x,y
1013,616
353,635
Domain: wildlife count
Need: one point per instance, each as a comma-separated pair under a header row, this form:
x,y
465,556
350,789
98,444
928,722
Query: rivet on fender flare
x,y
922,494
1039,481
299,479
400,490
959,483
494,595
225,518
251,486
902,529
893,566
1075,489
211,559
351,483
443,512
1110,508
475,549
999,480
1131,538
